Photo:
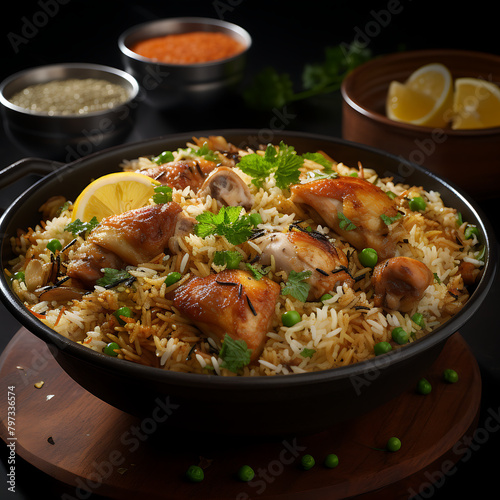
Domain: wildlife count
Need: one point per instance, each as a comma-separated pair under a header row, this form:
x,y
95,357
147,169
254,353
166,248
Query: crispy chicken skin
x,y
231,302
180,174
400,283
130,238
360,201
301,251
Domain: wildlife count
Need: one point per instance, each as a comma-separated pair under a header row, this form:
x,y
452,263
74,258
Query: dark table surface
x,y
286,36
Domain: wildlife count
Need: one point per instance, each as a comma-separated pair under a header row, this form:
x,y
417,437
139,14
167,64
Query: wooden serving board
x,y
74,437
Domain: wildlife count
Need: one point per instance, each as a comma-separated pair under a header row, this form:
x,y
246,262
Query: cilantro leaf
x,y
165,157
234,353
227,222
207,153
345,223
389,220
296,286
114,277
163,194
77,226
257,273
283,162
270,90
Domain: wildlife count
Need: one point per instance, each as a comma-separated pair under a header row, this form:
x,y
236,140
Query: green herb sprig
x,y
283,162
271,89
296,285
78,227
234,353
227,222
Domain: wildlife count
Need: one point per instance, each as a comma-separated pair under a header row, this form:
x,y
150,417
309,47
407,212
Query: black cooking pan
x,y
236,405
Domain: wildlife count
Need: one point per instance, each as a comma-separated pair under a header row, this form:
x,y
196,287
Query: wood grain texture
x,y
80,440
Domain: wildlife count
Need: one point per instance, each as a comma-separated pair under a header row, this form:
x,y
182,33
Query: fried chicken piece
x,y
332,201
231,302
130,238
302,251
400,283
228,188
182,173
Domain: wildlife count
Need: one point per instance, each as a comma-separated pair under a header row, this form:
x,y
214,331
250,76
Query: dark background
x,y
286,35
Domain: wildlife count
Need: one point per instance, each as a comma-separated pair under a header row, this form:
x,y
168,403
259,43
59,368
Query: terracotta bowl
x,y
468,158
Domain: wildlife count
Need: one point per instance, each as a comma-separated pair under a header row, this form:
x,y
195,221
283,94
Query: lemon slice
x,y
426,98
113,194
476,104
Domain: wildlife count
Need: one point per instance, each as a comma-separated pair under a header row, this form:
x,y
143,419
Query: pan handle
x,y
27,166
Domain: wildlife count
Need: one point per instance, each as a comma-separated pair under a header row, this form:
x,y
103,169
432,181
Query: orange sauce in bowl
x,y
189,48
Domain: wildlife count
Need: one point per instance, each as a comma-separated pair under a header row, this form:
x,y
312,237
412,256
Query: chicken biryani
x,y
249,262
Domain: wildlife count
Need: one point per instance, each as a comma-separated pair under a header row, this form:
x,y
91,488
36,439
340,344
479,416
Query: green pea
x,y
393,444
399,335
255,218
54,244
418,319
172,278
382,348
307,462
391,195
368,257
417,203
290,318
111,349
450,376
123,311
326,296
424,386
354,174
331,461
246,473
470,231
195,474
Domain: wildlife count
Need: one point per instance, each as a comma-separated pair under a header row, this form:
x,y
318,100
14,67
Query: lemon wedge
x,y
476,104
426,98
113,194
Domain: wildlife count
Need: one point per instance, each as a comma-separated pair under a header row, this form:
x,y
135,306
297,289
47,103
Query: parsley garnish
x,y
77,227
389,220
284,162
307,353
257,273
207,153
165,157
163,194
271,89
113,277
296,286
227,222
234,353
345,223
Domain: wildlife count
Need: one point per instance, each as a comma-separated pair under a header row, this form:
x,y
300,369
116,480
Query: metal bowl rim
x,y
83,66
126,51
